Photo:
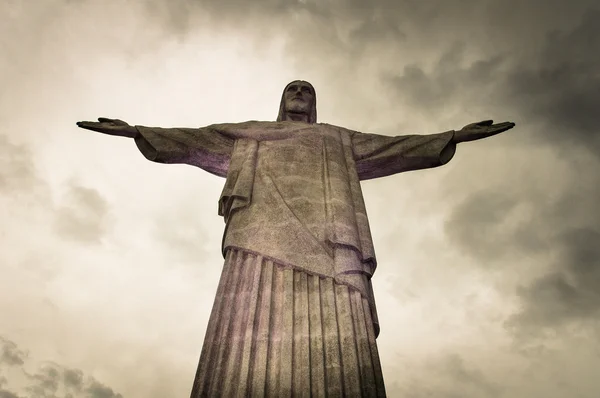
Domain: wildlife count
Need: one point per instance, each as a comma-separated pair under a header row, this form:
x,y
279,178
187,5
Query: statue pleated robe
x,y
294,313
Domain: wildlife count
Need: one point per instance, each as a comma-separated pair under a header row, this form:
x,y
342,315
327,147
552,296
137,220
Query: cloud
x,y
475,225
7,394
554,85
181,232
17,169
509,226
45,381
568,294
560,85
73,378
469,376
82,215
10,354
383,65
98,390
547,210
454,87
50,380
448,376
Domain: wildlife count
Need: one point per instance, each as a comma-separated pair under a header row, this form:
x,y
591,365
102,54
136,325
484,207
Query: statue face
x,y
299,98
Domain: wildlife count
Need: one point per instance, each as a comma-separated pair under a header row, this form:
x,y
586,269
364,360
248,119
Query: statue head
x,y
298,102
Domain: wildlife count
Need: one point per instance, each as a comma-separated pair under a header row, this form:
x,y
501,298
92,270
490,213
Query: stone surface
x,y
294,312
278,331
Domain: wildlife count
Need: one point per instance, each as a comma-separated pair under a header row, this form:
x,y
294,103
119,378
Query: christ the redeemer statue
x,y
294,312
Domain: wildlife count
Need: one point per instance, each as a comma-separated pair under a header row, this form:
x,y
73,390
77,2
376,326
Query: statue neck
x,y
296,117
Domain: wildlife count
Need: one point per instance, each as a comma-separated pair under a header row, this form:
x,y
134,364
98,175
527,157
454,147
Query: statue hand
x,y
111,127
484,129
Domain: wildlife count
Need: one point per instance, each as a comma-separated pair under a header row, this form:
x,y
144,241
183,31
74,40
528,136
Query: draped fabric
x,y
302,203
276,331
295,310
293,193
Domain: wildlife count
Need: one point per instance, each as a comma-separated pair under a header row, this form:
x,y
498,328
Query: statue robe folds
x,y
292,194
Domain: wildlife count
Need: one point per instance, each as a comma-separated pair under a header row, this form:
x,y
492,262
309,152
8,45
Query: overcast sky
x,y
488,282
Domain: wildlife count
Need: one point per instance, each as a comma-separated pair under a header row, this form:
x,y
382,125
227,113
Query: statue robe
x,y
292,204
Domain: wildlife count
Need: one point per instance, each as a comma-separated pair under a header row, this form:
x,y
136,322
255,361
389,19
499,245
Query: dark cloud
x,y
375,26
554,88
98,390
560,87
10,354
451,87
562,230
477,227
555,85
17,169
45,382
470,377
82,215
51,380
318,34
492,227
571,292
8,394
532,61
454,378
73,378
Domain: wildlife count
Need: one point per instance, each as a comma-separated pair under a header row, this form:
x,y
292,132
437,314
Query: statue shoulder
x,y
340,129
246,124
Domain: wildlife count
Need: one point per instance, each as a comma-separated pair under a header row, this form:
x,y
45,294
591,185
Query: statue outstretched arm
x,y
380,156
206,148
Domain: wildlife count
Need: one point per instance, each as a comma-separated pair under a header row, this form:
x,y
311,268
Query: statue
x,y
294,312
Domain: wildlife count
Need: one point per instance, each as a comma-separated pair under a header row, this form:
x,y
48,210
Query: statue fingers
x,y
116,122
500,127
477,126
90,125
102,127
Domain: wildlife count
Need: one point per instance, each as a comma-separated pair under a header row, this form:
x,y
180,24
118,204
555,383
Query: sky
x,y
488,279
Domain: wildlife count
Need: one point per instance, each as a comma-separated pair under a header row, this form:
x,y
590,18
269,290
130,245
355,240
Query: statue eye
x,y
291,88
305,90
